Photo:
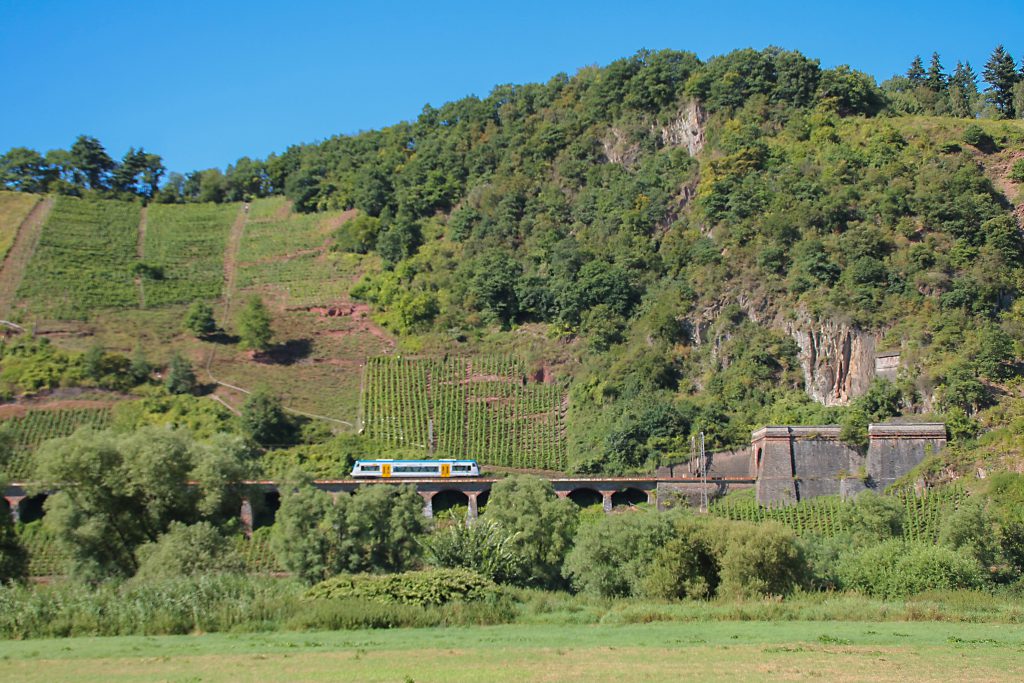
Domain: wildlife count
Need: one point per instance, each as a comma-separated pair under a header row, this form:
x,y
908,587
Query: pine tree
x,y
916,71
254,326
140,367
963,89
936,78
1001,75
180,377
199,319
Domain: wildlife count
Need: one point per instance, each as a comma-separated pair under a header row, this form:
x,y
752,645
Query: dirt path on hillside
x,y
231,258
140,253
25,243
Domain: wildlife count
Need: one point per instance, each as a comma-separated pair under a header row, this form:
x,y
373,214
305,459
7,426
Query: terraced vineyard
x,y
478,408
37,426
14,207
288,255
923,514
84,260
187,243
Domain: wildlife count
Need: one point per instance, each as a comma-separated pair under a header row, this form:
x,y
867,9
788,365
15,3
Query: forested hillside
x,y
683,238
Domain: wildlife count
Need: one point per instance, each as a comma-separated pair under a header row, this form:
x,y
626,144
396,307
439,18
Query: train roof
x,y
418,460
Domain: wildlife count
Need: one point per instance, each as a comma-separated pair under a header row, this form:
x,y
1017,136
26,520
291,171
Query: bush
x,y
611,557
543,523
425,587
199,319
483,546
686,566
1017,172
759,559
898,568
188,550
974,135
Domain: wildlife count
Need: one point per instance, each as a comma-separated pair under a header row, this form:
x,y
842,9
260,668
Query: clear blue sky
x,y
203,83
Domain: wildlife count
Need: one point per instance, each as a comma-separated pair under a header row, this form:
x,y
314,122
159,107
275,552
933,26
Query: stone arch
x,y
585,497
266,512
757,459
31,509
629,497
448,499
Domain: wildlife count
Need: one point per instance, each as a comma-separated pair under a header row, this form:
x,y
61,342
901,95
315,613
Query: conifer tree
x,y
936,80
963,89
254,325
180,377
1001,75
916,71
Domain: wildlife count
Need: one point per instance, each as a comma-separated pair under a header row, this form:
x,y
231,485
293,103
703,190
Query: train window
x,y
371,468
410,469
461,468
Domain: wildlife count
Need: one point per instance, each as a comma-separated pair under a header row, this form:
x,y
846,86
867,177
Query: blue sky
x,y
203,83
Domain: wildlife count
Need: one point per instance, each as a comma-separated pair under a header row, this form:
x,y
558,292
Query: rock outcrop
x,y
686,129
838,360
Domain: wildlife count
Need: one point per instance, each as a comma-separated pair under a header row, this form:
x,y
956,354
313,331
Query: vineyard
x,y
922,518
290,255
36,426
479,408
186,244
84,259
14,207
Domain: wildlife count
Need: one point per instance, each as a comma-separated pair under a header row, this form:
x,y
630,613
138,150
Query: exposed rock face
x,y
838,360
617,149
687,129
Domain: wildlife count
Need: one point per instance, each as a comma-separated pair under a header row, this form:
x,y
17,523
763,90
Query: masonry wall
x,y
796,463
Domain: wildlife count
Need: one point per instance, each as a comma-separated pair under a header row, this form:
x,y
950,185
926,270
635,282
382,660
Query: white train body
x,y
415,469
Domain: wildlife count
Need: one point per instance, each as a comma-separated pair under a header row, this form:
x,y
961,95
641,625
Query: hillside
x,y
659,247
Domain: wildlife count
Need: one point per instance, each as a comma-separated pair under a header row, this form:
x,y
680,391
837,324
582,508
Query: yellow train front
x,y
414,469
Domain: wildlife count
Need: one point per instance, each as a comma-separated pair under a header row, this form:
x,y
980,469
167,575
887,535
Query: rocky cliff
x,y
838,360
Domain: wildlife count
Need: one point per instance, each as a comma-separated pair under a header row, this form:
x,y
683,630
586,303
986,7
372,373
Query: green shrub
x,y
1017,172
483,547
611,557
425,587
898,568
759,559
974,135
188,550
686,566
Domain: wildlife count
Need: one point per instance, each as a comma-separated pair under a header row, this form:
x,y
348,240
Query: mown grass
x,y
848,651
14,207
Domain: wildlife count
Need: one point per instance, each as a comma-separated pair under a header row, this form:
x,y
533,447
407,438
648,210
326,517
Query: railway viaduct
x,y
785,464
442,494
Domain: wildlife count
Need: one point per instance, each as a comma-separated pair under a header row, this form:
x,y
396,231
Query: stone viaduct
x,y
785,464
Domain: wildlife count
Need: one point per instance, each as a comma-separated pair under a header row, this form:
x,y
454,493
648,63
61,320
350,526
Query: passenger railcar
x,y
415,469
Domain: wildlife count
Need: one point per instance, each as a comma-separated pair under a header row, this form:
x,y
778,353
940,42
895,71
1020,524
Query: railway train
x,y
414,469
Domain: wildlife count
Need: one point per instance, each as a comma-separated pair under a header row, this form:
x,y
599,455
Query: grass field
x,y
833,651
14,207
187,243
84,260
